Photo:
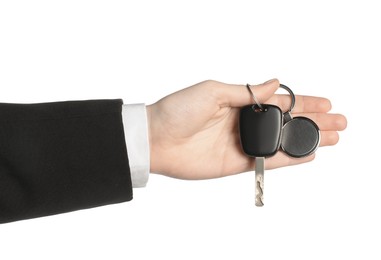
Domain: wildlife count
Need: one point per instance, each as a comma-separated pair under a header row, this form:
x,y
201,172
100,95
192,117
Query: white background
x,y
143,50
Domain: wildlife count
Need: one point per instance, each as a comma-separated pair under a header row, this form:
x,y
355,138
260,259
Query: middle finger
x,y
306,104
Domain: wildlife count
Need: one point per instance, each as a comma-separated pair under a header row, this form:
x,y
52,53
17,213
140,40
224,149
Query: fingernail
x,y
270,81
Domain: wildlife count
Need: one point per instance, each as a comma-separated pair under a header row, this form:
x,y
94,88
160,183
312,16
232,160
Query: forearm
x,y
62,156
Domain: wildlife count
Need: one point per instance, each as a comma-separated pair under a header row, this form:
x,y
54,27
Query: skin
x,y
193,133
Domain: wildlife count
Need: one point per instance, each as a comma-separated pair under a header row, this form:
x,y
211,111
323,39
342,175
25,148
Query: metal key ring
x,y
292,97
254,97
281,86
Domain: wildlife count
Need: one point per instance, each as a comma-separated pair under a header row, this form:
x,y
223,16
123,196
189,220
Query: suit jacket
x,y
60,157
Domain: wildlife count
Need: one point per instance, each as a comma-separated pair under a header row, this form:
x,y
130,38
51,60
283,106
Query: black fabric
x,y
60,157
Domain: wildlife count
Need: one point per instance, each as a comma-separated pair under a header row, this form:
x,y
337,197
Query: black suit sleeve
x,y
60,157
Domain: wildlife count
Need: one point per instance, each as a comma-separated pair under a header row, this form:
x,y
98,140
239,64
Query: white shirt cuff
x,y
136,134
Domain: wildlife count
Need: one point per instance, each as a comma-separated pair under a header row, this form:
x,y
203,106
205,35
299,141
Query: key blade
x,y
259,180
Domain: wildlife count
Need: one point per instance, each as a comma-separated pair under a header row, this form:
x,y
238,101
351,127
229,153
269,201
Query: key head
x,y
260,130
300,137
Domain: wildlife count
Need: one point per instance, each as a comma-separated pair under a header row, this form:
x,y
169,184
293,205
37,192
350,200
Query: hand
x,y
194,132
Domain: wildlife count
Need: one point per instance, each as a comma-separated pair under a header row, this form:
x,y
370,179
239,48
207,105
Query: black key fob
x,y
260,130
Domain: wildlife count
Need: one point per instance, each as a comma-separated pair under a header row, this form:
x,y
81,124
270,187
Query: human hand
x,y
194,134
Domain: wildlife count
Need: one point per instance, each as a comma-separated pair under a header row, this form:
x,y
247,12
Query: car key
x,y
260,128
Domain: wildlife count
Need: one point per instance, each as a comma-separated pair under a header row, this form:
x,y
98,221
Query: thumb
x,y
239,95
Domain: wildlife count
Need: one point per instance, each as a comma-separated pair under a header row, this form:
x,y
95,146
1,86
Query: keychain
x,y
264,130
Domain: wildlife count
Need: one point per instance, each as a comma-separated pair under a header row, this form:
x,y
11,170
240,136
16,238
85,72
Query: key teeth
x,y
259,203
259,195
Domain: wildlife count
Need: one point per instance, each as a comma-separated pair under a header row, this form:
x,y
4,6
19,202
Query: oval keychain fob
x,y
300,136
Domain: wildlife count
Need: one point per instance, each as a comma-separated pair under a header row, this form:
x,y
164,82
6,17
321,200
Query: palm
x,y
211,149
